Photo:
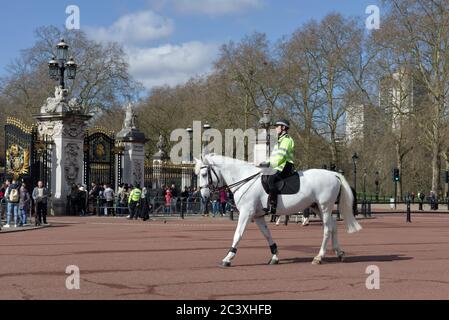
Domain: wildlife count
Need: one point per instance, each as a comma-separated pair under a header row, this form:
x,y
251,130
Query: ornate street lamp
x,y
59,64
190,132
265,123
62,50
71,68
53,69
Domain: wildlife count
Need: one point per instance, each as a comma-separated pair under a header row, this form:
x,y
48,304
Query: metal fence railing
x,y
151,206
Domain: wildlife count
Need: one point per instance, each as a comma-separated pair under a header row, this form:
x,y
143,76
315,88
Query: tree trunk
x,y
436,168
334,149
307,144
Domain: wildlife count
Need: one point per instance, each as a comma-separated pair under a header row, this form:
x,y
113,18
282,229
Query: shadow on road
x,y
351,259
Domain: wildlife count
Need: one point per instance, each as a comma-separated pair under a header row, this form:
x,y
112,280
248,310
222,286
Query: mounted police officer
x,y
281,161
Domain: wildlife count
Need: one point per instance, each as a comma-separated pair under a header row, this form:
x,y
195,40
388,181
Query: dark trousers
x,y
41,212
133,210
110,207
223,208
274,179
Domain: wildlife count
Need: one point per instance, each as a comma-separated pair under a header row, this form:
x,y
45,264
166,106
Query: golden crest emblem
x,y
100,152
17,161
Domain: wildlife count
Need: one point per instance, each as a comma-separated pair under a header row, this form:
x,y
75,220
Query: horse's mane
x,y
221,160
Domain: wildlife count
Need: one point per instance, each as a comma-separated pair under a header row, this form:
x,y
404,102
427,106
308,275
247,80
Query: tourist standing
x,y
215,198
223,201
174,197
168,200
24,204
109,196
94,194
2,200
82,200
74,200
40,197
12,196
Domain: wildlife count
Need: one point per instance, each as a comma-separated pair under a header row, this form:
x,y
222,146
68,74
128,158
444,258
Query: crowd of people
x,y
18,203
134,203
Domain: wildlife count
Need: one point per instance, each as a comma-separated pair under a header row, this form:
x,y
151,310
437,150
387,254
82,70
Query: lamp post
x,y
377,185
265,123
60,64
355,157
364,183
190,132
206,128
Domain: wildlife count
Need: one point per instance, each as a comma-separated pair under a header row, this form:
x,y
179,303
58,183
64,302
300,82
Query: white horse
x,y
318,187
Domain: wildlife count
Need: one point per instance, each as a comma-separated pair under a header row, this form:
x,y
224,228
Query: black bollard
x,y
409,214
369,209
364,208
287,218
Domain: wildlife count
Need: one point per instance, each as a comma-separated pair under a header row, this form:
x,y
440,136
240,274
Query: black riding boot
x,y
273,203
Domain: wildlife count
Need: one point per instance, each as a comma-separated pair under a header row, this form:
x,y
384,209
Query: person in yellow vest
x,y
281,161
133,202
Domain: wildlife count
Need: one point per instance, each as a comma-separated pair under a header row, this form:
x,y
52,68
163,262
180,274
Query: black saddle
x,y
288,185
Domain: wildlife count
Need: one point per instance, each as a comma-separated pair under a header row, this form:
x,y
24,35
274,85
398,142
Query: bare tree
x,y
423,27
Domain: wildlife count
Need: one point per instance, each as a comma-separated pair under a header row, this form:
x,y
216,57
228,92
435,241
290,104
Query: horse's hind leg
x,y
328,227
262,224
335,245
243,222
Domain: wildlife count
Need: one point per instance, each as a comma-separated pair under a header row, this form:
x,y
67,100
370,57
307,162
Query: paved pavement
x,y
175,259
28,227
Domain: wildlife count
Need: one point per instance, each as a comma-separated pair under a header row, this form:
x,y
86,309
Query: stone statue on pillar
x,y
134,143
60,103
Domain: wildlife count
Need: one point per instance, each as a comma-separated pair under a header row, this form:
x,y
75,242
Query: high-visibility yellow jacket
x,y
282,153
135,195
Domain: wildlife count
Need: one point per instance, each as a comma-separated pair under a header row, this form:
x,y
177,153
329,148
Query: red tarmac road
x,y
179,260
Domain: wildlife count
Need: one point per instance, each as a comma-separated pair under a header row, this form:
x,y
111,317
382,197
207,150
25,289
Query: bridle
x,y
212,187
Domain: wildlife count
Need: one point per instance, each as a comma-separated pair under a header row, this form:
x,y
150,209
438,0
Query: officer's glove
x,y
264,164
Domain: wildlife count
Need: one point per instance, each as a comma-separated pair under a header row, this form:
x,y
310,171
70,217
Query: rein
x,y
237,184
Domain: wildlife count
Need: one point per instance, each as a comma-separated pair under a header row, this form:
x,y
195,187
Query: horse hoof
x,y
225,264
273,262
341,256
317,261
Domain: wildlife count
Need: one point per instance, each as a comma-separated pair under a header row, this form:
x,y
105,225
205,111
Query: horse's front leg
x,y
244,218
262,224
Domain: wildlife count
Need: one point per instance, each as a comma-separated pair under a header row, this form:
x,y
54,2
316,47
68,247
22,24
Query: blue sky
x,y
167,40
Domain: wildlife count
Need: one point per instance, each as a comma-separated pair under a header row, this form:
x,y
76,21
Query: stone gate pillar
x,y
64,123
133,164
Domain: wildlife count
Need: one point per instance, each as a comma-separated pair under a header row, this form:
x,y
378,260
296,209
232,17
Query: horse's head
x,y
207,176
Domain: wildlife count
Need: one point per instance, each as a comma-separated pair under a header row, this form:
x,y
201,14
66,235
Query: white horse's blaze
x,y
320,187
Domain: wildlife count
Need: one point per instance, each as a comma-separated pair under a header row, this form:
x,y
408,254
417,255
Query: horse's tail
x,y
346,206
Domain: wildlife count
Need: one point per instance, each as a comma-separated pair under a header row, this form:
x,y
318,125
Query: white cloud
x,y
171,64
215,7
134,28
